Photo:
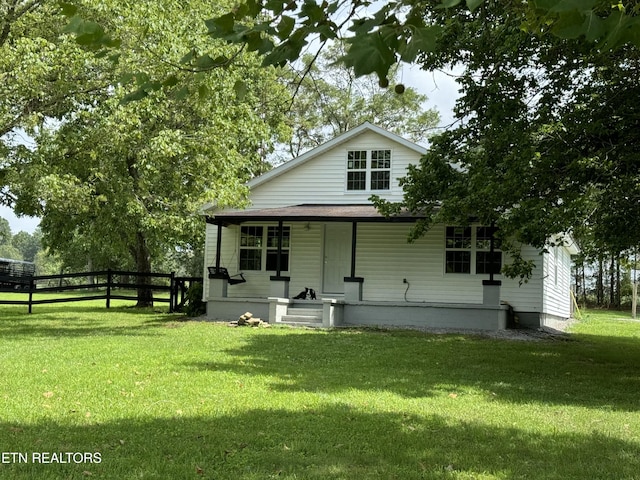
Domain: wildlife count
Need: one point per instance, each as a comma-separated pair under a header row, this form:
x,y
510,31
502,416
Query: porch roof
x,y
309,212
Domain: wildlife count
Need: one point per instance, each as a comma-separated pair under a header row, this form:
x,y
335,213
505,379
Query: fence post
x,y
32,286
109,288
173,288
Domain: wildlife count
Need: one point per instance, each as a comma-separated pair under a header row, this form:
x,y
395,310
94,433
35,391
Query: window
x,y
259,248
468,250
357,170
485,262
272,249
368,170
458,250
251,248
380,169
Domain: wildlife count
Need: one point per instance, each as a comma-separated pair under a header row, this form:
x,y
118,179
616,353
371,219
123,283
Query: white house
x,y
310,225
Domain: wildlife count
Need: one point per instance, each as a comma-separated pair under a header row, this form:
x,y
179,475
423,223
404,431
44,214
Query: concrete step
x,y
303,316
305,311
303,321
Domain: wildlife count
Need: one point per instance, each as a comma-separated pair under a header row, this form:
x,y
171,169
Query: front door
x,y
337,256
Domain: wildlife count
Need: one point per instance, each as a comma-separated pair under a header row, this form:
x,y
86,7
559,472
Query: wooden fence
x,y
101,285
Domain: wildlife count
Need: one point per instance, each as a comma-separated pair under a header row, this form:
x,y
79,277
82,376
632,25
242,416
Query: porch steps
x,y
303,316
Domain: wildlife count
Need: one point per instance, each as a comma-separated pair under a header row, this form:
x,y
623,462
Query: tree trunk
x,y
600,282
612,282
618,282
143,265
584,287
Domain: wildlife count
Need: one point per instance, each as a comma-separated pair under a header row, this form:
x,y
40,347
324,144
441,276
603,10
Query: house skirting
x,y
435,315
228,309
344,313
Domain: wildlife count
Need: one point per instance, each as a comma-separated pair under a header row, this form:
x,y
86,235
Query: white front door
x,y
337,256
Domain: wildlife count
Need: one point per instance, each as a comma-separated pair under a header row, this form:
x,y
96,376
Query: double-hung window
x,y
272,249
259,248
468,250
458,250
357,170
486,261
368,170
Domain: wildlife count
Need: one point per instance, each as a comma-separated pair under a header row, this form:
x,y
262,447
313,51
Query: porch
x,y
358,260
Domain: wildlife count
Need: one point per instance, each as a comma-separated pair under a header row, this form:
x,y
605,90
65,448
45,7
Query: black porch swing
x,y
222,272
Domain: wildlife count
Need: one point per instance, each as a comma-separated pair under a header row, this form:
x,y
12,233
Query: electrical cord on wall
x,y
405,292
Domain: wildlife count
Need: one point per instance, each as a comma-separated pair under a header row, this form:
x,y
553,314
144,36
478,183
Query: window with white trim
x,y
468,250
368,170
485,262
259,248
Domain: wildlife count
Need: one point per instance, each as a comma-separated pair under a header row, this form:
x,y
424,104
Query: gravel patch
x,y
556,330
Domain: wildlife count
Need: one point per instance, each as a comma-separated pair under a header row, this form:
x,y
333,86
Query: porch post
x,y
218,246
354,240
491,287
279,284
353,284
279,254
217,282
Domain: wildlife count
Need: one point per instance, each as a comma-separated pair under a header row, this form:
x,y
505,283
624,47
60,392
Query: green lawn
x,y
155,397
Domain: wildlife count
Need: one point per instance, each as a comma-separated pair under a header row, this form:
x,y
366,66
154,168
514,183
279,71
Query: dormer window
x,y
368,170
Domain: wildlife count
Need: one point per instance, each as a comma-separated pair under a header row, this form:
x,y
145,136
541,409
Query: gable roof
x,y
313,153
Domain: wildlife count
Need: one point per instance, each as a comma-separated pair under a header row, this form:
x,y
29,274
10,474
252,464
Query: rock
x,y
247,319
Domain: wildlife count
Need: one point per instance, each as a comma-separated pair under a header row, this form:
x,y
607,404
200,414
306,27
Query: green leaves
x,y
423,39
370,54
608,27
90,34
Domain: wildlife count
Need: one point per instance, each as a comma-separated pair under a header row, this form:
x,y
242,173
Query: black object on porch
x,y
221,272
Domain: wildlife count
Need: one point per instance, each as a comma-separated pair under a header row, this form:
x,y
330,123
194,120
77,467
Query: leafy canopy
x,y
119,182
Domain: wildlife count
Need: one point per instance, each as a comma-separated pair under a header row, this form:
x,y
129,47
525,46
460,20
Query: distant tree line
x,y
605,279
27,247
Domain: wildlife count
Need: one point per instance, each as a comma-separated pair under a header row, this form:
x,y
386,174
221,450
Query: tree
x,y
126,180
5,231
27,244
403,30
328,100
42,75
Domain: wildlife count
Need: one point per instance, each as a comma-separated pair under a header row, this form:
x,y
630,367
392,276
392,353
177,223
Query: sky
x,y
440,87
25,224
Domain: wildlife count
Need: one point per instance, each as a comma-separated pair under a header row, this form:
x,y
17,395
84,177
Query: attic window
x,y
368,170
357,170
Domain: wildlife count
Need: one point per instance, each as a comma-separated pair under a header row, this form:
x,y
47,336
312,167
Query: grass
x,y
160,398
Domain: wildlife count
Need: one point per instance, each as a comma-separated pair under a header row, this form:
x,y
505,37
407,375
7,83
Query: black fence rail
x,y
105,285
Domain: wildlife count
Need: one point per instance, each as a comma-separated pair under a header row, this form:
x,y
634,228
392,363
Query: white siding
x,y
322,180
384,259
557,282
528,296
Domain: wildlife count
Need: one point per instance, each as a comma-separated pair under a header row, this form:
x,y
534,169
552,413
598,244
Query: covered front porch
x,y
357,261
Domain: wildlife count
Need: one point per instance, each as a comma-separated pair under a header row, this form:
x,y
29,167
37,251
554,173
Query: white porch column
x,y
217,287
279,286
491,292
278,307
331,312
353,289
